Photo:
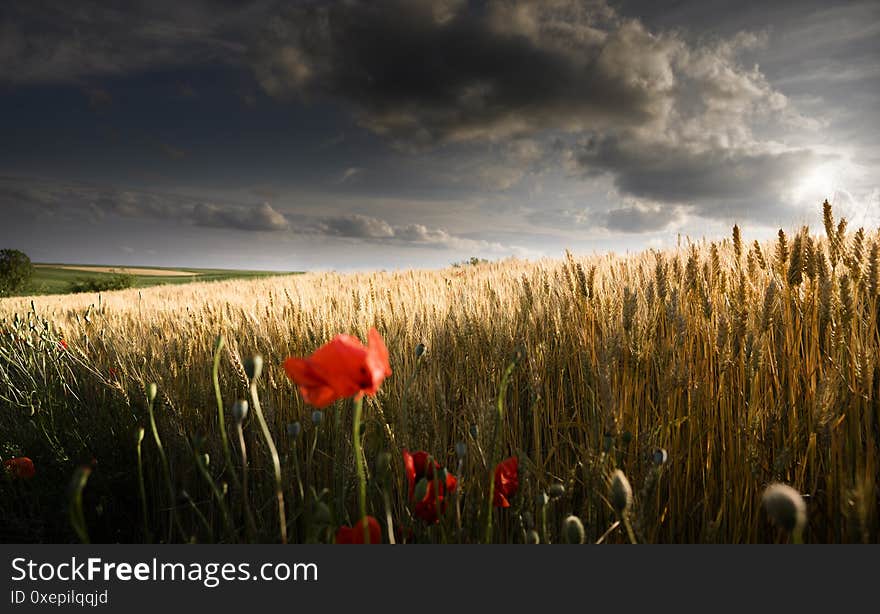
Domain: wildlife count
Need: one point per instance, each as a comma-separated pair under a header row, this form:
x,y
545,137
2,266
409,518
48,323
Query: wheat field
x,y
703,373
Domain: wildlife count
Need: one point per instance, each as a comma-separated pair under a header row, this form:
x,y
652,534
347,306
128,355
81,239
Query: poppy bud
x,y
152,389
420,350
607,443
621,492
218,343
421,489
139,435
573,529
253,367
322,513
532,537
475,431
461,449
293,429
206,459
240,410
383,465
660,456
542,499
317,416
556,490
785,506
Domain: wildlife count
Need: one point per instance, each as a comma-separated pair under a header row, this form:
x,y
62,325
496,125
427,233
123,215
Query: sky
x,y
393,134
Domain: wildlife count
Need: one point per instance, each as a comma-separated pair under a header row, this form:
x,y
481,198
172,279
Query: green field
x,y
53,278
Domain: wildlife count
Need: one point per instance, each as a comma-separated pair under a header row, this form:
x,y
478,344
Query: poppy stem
x,y
359,464
276,462
143,491
221,419
248,514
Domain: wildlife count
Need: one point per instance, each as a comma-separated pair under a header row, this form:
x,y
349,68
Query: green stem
x,y
141,486
276,462
166,469
221,418
359,464
224,513
245,503
77,517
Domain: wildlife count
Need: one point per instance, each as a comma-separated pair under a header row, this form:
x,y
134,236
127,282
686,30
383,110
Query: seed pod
x,y
785,506
420,350
573,529
294,429
660,457
461,449
152,390
317,416
253,367
240,410
420,490
621,492
383,465
556,490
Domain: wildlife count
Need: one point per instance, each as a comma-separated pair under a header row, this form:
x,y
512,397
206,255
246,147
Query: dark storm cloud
x,y
424,72
672,121
43,41
674,124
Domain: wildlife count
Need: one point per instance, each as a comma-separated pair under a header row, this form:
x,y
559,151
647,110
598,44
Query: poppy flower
x,y
506,481
355,534
418,467
343,367
22,468
62,344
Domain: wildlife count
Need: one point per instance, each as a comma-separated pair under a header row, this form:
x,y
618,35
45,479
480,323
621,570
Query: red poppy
x,y
62,344
341,368
506,481
355,535
418,466
20,467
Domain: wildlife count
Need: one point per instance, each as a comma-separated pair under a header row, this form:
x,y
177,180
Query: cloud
x,y
350,173
257,217
637,219
420,79
23,199
712,180
43,41
674,123
28,198
356,226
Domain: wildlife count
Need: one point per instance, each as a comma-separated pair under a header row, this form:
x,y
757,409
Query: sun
x,y
818,182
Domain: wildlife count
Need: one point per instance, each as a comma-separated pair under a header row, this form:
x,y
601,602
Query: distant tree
x,y
16,271
119,280
472,261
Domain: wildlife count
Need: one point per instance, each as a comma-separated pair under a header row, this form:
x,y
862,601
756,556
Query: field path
x,y
113,269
